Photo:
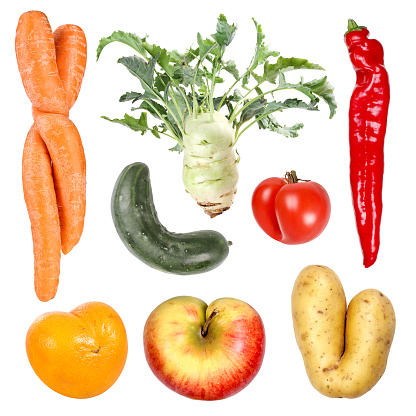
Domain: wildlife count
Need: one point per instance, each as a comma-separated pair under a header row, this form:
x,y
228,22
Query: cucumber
x,y
138,226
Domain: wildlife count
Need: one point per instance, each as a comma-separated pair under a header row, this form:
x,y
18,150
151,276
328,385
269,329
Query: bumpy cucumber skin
x,y
138,226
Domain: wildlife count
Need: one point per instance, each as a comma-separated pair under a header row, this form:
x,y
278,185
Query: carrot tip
x,y
66,248
45,297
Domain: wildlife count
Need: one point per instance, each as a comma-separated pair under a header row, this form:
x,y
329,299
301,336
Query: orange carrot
x,y
52,67
68,162
71,59
39,193
36,59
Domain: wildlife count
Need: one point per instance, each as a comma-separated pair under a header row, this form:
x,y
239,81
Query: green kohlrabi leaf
x,y
261,54
261,110
324,89
156,110
217,101
129,39
176,103
135,96
142,70
313,89
163,56
185,75
183,100
290,64
271,71
140,45
225,32
290,103
137,124
178,148
218,80
228,100
253,109
269,122
161,80
184,58
231,68
206,46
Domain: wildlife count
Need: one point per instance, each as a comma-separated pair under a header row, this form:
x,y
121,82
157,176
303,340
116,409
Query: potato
x,y
319,319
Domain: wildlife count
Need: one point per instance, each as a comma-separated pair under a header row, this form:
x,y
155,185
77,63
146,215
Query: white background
x,y
258,269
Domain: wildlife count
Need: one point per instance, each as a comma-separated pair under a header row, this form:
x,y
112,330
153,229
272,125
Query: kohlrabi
x,y
179,89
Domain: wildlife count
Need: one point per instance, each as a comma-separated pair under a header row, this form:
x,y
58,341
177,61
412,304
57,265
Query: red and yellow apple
x,y
204,352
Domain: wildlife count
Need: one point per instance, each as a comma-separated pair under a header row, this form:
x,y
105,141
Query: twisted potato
x,y
320,320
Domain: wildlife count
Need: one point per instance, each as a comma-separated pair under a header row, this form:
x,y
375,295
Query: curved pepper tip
x,y
369,261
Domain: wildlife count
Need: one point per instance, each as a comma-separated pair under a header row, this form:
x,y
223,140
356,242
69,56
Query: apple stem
x,y
204,330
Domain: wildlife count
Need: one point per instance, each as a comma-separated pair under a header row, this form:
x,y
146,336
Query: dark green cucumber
x,y
138,226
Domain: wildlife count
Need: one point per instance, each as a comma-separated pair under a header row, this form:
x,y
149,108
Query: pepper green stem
x,y
353,26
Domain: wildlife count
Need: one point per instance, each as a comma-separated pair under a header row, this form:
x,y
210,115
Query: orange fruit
x,y
79,354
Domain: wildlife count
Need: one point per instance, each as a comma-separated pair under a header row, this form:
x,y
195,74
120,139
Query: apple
x,y
204,352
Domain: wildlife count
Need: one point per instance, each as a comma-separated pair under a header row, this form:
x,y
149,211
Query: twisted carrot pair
x,y
52,65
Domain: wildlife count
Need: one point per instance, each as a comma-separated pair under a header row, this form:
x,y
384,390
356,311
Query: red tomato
x,y
292,213
262,203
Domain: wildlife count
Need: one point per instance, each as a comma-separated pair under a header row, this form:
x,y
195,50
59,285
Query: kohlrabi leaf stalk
x,y
178,90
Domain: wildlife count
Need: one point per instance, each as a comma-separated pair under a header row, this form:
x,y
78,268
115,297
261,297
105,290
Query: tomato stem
x,y
204,330
291,177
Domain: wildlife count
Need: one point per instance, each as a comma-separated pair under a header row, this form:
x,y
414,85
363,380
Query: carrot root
x,y
52,66
71,59
69,172
39,194
36,59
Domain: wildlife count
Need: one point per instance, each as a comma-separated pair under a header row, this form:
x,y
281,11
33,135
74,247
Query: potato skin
x,y
319,319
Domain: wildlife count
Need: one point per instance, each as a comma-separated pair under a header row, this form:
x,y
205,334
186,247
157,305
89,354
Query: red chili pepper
x,y
367,128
